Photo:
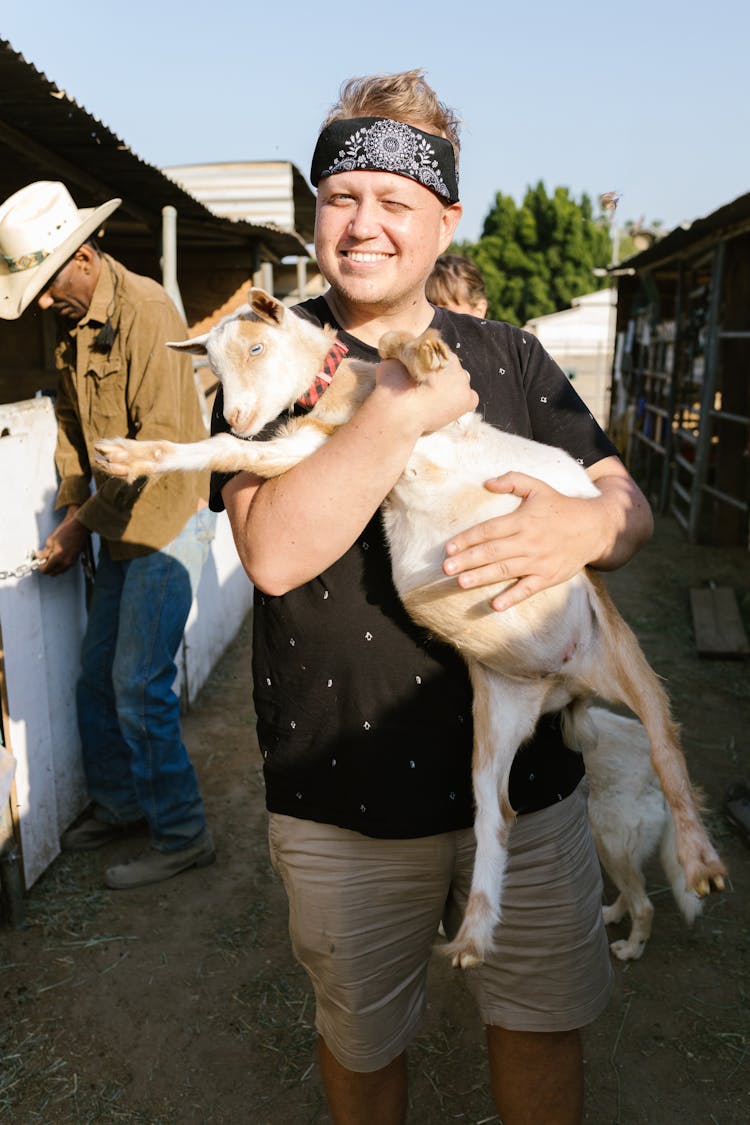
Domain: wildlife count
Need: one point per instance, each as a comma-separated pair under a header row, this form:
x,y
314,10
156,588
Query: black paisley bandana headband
x,y
377,144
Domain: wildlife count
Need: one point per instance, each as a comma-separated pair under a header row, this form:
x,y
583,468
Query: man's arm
x,y
71,455
64,545
550,537
291,528
159,399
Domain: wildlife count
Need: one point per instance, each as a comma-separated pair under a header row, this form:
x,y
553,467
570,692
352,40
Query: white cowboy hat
x,y
40,228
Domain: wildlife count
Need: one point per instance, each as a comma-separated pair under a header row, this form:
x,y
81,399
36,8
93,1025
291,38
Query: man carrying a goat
x,y
364,720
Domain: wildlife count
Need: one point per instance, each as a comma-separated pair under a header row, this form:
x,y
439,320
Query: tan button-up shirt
x,y
138,389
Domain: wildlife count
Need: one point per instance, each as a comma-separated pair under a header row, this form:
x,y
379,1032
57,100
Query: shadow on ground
x,y
181,1003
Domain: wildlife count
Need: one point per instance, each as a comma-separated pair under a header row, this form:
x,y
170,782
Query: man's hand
x,y
550,537
443,396
547,540
64,546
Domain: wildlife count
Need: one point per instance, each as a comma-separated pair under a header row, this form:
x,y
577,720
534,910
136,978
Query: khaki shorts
x,y
364,916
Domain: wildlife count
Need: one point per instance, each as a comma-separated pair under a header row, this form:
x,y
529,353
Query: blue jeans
x,y
135,761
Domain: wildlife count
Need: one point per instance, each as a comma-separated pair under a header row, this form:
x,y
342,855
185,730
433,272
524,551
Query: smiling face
x,y
377,236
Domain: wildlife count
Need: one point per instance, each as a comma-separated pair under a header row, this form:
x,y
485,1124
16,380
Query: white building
x,y
267,193
581,340
264,192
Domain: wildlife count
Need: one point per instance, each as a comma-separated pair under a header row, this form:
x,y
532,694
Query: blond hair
x,y
455,281
401,97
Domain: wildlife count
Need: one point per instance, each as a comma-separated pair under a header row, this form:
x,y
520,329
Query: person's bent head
x,y
46,251
70,290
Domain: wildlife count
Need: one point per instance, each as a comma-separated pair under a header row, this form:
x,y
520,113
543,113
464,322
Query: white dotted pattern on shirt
x,y
366,725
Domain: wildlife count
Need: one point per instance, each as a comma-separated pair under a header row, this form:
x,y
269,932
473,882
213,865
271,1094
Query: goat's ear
x,y
196,346
266,307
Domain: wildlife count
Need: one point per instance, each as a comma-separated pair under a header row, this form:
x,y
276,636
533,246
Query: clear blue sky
x,y
651,99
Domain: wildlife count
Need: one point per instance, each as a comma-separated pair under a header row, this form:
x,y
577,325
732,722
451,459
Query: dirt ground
x,y
181,1003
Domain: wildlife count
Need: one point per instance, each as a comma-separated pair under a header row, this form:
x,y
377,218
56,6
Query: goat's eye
x,y
256,349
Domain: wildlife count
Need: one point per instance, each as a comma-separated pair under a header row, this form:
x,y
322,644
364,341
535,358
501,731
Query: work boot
x,y
91,833
155,866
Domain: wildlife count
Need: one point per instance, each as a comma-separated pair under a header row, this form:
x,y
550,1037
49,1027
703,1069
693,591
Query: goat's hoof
x,y
627,950
113,458
131,460
464,953
709,877
707,884
466,960
431,351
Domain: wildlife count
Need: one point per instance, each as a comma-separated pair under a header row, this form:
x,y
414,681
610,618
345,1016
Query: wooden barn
x,y
681,382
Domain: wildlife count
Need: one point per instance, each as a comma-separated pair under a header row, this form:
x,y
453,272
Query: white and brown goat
x,y
555,650
631,822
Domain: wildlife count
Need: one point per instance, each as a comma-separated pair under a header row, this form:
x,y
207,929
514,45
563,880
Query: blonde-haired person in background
x,y
457,284
364,722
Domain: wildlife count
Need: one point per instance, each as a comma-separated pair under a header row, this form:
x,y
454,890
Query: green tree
x,y
538,256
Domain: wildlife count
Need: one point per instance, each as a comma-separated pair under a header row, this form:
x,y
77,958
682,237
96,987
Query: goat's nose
x,y
240,419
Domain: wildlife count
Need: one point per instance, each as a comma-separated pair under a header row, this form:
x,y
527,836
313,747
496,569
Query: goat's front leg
x,y
129,459
505,715
224,453
420,355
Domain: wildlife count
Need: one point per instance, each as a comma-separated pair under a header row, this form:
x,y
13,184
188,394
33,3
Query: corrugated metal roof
x,y
45,134
728,221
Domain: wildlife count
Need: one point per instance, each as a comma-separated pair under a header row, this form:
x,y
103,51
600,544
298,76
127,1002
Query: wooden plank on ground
x,y
717,623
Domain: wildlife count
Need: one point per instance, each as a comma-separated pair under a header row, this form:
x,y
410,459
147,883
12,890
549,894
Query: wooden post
x,y
667,467
703,448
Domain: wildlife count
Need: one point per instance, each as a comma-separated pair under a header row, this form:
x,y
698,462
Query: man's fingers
x,y
487,575
517,593
484,544
517,483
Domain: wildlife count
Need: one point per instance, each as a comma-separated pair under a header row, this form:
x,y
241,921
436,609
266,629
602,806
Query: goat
x,y
555,650
629,821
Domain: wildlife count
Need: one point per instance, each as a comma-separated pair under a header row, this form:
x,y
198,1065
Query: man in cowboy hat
x,y
116,376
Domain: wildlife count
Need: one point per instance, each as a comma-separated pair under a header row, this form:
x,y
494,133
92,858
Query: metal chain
x,y
20,571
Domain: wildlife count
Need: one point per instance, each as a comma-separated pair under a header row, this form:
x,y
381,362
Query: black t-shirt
x,y
364,721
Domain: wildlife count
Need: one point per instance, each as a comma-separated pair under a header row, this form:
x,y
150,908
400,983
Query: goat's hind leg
x,y
505,715
620,673
623,867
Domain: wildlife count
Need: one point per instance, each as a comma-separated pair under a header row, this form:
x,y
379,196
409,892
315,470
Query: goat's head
x,y
260,356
